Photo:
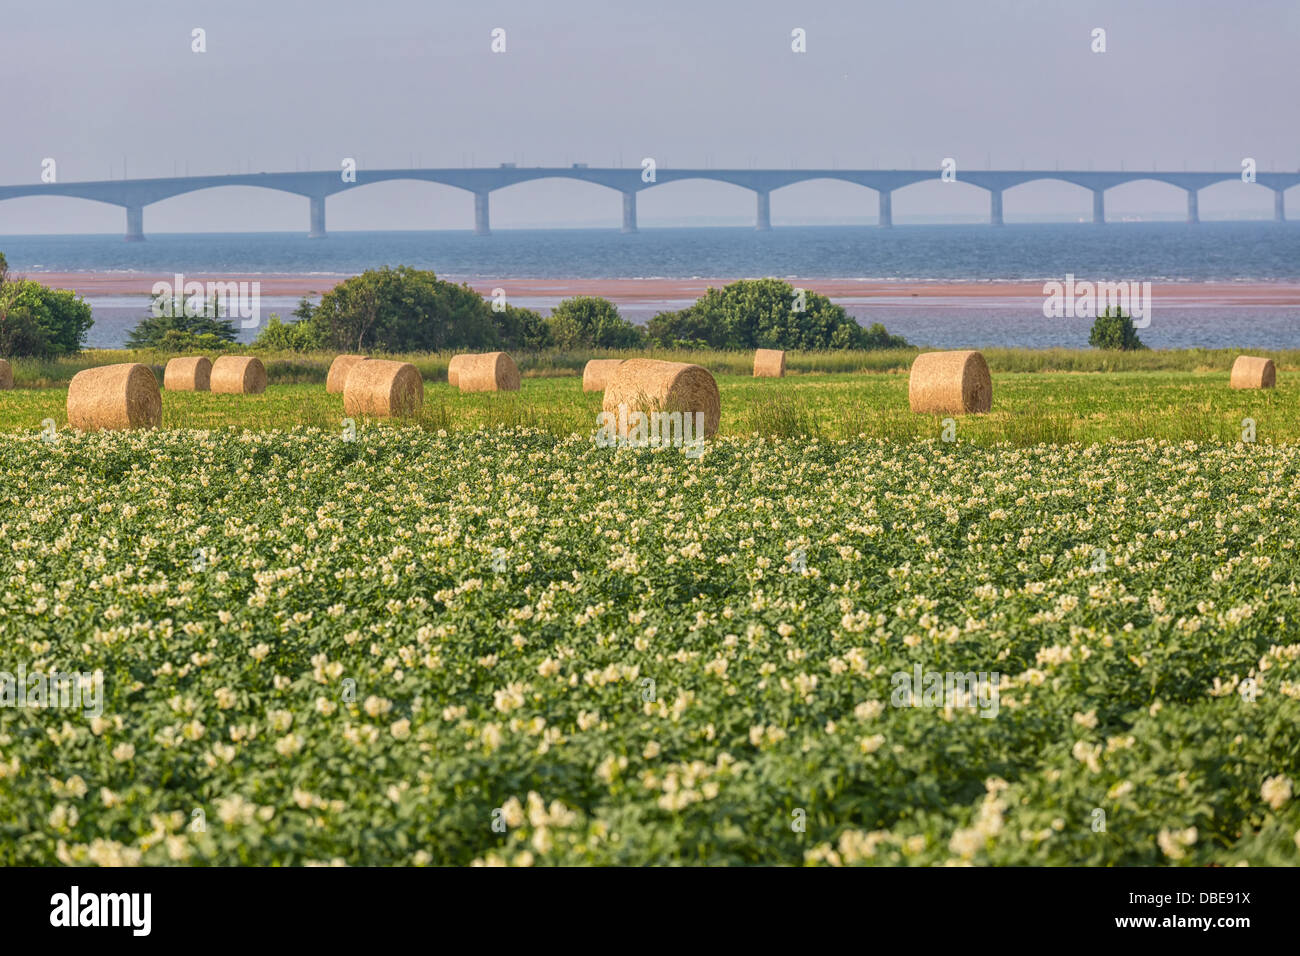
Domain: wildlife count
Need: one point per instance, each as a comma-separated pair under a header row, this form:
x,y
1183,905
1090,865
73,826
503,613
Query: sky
x,y
107,87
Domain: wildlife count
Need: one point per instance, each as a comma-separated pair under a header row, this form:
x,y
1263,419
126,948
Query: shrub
x,y
40,322
1114,330
175,340
402,310
303,335
173,325
521,330
876,337
588,321
767,313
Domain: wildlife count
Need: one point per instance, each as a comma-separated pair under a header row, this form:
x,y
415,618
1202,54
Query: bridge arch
x,y
826,196
592,204
45,215
411,202
963,198
1135,197
193,211
684,197
1074,199
1220,200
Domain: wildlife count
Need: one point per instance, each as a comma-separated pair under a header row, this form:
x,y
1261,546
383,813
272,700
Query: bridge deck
x,y
135,194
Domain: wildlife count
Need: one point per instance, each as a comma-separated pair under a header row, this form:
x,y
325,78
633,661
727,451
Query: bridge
x,y
135,194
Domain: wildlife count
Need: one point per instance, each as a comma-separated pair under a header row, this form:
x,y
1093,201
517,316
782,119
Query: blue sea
x,y
1246,252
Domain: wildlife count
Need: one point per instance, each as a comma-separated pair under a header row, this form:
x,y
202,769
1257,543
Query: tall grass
x,y
780,416
1028,409
308,368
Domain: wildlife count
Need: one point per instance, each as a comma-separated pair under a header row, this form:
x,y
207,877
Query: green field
x,y
295,368
1029,408
477,637
499,646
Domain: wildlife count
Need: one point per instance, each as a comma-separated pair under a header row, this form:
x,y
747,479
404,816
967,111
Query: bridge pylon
x,y
629,211
1099,206
135,223
317,227
886,217
995,207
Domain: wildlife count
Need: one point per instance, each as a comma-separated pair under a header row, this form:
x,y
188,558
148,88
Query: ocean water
x,y
1155,252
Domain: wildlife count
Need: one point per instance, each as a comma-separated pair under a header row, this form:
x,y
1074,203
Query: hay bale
x,y
950,383
238,375
6,375
339,369
649,385
769,363
1250,371
489,372
383,389
114,396
596,373
453,368
193,374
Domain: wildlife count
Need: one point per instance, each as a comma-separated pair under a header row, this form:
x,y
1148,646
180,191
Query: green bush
x,y
1114,330
177,325
587,321
766,313
301,336
402,310
521,330
40,322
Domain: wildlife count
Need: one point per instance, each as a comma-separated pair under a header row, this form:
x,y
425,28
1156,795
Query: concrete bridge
x,y
134,194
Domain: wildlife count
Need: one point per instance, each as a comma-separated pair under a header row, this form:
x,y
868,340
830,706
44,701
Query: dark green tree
x,y
402,310
176,324
302,335
38,321
1114,330
588,321
767,313
521,330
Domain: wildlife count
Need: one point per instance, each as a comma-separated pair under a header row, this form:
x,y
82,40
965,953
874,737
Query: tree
x,y
521,330
402,310
877,337
1114,330
588,321
38,321
174,325
767,313
300,336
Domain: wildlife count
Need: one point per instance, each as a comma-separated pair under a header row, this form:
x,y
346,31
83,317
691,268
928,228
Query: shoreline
x,y
1192,293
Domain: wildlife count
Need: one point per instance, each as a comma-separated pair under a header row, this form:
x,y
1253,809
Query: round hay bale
x,y
769,363
489,372
238,375
383,389
193,374
339,369
454,367
1250,371
596,373
649,385
950,383
114,396
6,375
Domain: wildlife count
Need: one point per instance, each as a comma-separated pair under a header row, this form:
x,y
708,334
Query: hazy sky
x,y
92,84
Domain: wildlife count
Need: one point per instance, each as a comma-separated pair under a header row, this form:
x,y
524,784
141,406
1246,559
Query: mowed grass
x,y
1029,408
